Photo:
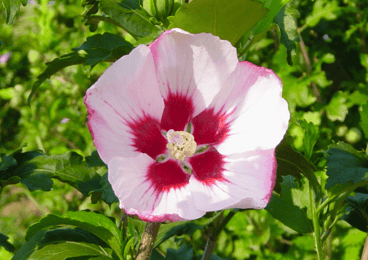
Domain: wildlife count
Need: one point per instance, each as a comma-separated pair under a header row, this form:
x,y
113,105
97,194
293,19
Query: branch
x,y
147,241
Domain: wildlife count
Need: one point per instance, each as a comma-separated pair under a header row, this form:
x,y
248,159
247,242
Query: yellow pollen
x,y
181,144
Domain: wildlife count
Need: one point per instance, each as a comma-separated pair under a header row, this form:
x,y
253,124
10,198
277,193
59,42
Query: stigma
x,y
181,144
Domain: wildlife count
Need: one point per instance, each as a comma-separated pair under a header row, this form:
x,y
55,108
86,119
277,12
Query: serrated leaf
x,y
311,135
133,19
97,224
220,17
108,194
12,7
5,243
345,164
357,211
68,250
292,208
286,20
337,108
105,46
274,6
37,173
94,160
290,162
364,120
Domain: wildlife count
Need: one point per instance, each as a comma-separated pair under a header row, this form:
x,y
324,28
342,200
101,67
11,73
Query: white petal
x,y
256,113
149,198
125,94
247,182
193,65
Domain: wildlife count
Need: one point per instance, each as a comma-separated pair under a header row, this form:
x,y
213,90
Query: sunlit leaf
x,y
292,208
364,120
219,17
12,7
286,20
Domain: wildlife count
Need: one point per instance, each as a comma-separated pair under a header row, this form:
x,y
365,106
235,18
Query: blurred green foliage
x,y
327,85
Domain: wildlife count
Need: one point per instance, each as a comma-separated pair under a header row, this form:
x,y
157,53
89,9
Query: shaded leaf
x,y
6,162
105,46
94,160
108,194
97,224
37,172
68,250
5,243
175,229
292,207
345,164
357,211
219,17
130,16
185,252
290,162
286,20
29,247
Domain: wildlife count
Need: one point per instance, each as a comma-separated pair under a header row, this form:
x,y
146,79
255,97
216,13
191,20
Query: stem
x,y
147,241
213,236
317,235
304,51
365,250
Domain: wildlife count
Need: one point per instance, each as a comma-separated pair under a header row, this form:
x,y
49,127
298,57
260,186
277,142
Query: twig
x,y
309,67
365,250
147,241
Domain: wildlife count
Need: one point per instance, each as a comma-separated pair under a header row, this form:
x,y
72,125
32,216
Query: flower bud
x,y
159,8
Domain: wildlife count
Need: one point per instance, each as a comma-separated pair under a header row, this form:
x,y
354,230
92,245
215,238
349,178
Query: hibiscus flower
x,y
185,128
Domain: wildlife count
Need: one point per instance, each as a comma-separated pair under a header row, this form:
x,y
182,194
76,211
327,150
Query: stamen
x,y
181,144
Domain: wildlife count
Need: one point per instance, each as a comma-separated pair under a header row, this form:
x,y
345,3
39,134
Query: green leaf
x,y
69,167
12,7
286,20
364,120
4,243
223,18
167,231
99,47
290,162
68,250
55,66
185,252
357,211
322,9
274,6
97,224
345,164
94,160
28,248
292,208
337,108
108,194
130,16
104,47
311,134
6,162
